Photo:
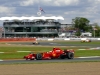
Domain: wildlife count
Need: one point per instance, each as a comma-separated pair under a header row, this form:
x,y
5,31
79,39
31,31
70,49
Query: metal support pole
x,y
94,33
4,32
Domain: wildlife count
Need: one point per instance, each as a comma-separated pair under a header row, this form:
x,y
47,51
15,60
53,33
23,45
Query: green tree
x,y
81,24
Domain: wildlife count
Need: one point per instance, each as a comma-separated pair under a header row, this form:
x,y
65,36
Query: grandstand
x,y
31,26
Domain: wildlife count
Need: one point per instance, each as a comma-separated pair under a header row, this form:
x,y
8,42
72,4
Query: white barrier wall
x,y
77,39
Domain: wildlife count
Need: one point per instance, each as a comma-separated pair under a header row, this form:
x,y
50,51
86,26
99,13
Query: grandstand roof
x,y
31,18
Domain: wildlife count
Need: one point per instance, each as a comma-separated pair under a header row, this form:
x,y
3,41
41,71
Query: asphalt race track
x,y
54,60
55,44
50,61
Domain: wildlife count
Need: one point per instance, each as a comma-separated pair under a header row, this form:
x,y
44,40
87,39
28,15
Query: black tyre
x,y
39,56
70,55
62,56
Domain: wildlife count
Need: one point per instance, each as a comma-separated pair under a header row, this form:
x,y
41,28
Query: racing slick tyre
x,y
70,55
39,56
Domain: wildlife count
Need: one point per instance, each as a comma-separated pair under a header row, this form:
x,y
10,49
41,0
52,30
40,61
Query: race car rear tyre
x,y
39,56
70,55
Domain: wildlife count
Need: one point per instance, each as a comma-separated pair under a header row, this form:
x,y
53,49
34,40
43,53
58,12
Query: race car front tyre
x,y
39,56
70,55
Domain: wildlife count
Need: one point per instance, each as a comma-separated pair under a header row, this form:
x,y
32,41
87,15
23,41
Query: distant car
x,y
56,53
87,40
36,42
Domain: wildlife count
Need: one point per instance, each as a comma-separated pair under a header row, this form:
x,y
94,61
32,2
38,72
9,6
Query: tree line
x,y
82,25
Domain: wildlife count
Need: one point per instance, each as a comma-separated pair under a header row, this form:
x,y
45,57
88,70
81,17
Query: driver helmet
x,y
31,53
53,47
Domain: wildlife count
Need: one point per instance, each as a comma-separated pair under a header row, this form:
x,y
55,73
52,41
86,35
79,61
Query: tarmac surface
x,y
97,59
55,44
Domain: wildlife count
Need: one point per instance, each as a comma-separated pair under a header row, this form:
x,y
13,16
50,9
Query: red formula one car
x,y
56,53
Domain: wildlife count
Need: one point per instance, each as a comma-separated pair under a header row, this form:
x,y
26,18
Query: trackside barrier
x,y
50,39
59,38
42,39
46,39
67,39
93,38
83,38
75,38
98,38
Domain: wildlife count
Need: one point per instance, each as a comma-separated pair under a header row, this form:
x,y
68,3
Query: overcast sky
x,y
68,9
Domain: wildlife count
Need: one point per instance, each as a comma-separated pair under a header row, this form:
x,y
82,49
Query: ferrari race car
x,y
56,53
86,40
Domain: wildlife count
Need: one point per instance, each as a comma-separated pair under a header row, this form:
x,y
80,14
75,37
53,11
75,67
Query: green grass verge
x,y
83,53
11,52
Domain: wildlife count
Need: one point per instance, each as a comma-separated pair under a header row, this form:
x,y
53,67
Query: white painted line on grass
x,y
1,52
96,48
90,57
1,60
23,51
82,49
